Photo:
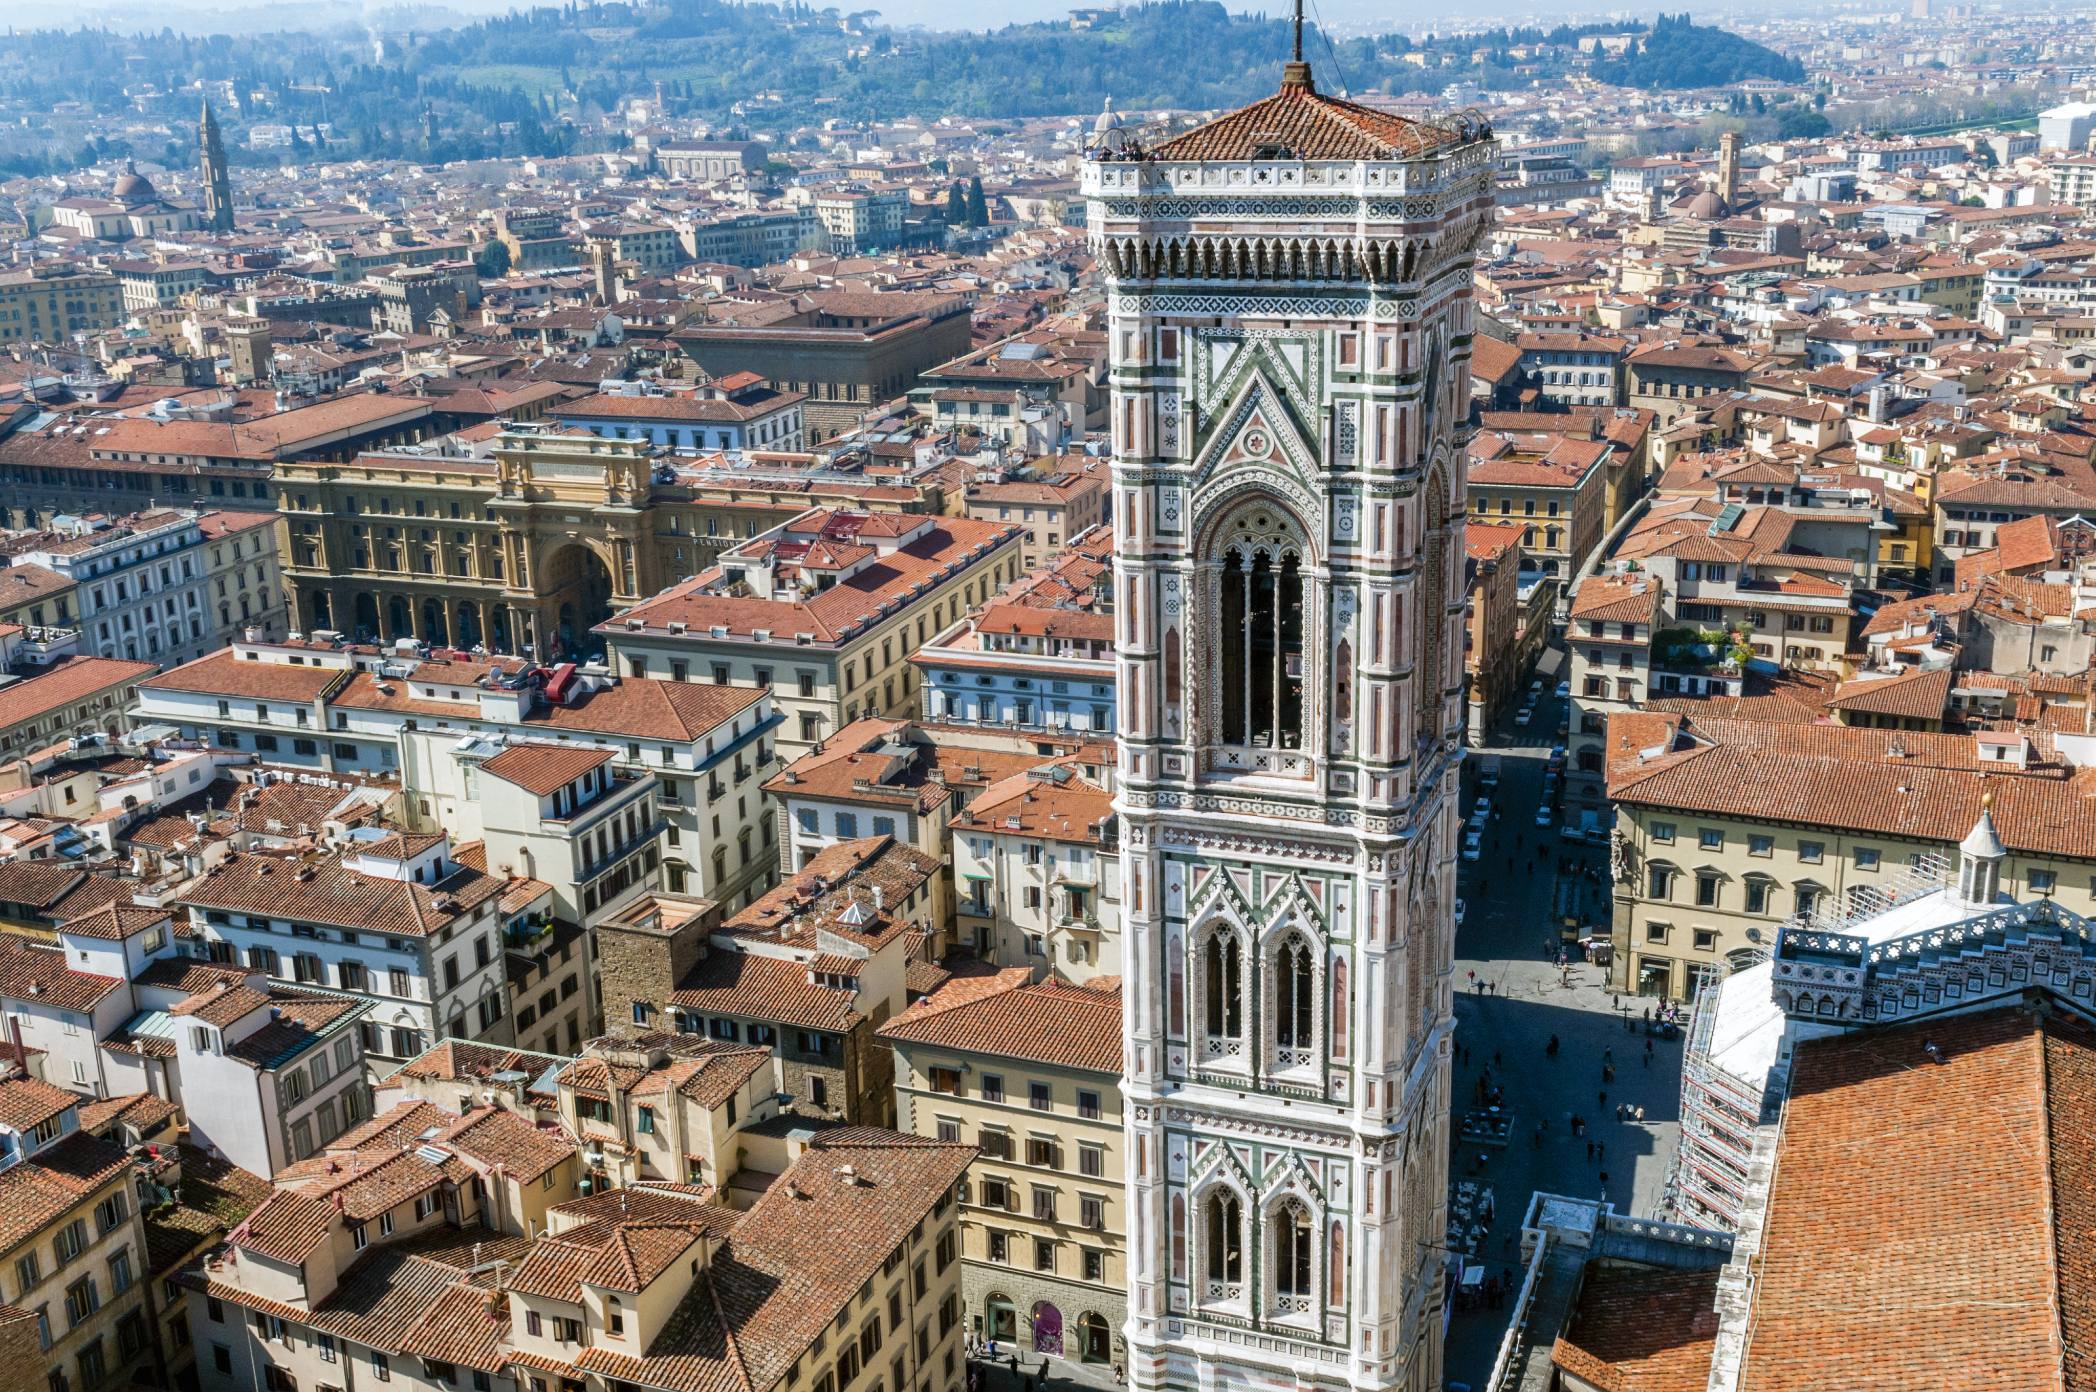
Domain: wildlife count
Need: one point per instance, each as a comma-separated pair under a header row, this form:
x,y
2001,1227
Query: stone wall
x,y
1025,1289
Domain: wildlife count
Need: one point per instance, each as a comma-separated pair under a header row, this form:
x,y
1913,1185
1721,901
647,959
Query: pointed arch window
x,y
1222,992
1222,1242
1261,643
1295,1002
1290,1236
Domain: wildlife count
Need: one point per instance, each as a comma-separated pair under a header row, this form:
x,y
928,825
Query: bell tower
x,y
217,179
1289,297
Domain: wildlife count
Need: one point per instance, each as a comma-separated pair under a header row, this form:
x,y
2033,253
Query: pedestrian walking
x,y
1604,1097
1648,1047
1608,1057
1590,1151
1604,1181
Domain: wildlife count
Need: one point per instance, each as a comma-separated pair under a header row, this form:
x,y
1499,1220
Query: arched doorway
x,y
367,617
468,627
398,624
1047,1328
1094,1338
319,612
578,584
1000,1319
434,628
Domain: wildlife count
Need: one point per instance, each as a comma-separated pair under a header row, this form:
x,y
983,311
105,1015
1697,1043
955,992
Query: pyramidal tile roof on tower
x,y
1299,122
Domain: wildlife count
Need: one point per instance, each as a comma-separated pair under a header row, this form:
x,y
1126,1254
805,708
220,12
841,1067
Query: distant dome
x,y
1107,132
1707,205
134,188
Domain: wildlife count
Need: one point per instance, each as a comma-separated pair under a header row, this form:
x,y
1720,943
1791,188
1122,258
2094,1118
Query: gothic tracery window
x,y
1290,1233
1260,640
1222,986
1295,1002
1222,1238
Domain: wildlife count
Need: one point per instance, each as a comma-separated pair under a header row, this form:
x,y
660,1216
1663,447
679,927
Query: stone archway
x,y
1047,1328
435,630
1093,1341
1000,1319
575,586
366,610
320,612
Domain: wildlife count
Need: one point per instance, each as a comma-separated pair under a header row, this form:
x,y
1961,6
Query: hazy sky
x,y
205,15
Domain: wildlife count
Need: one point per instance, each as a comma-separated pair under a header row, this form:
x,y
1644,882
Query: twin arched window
x,y
1290,982
1289,1260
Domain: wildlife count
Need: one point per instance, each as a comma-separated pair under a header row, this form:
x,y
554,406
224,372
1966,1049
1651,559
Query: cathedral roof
x,y
1299,122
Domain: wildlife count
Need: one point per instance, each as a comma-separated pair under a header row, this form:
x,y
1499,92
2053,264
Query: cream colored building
x,y
72,1249
1728,830
1030,1074
658,1107
825,610
1037,874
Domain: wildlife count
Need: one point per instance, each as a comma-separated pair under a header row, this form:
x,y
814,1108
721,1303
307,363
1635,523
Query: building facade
x,y
1030,1075
1289,320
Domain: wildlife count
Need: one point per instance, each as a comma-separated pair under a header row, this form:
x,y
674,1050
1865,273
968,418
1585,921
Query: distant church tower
x,y
218,180
1289,304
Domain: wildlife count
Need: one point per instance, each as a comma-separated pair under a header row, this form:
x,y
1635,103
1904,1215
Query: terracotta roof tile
x,y
1053,1022
335,895
1302,123
36,1192
1641,1329
544,769
1902,1185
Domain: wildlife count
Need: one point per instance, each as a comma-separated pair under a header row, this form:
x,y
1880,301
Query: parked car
x,y
1473,845
1481,810
1460,909
1524,715
1564,691
1543,815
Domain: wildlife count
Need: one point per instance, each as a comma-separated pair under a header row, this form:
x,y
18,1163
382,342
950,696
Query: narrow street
x,y
1511,999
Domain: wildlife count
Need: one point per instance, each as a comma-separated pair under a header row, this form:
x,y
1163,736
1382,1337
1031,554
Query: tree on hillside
x,y
956,205
978,207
